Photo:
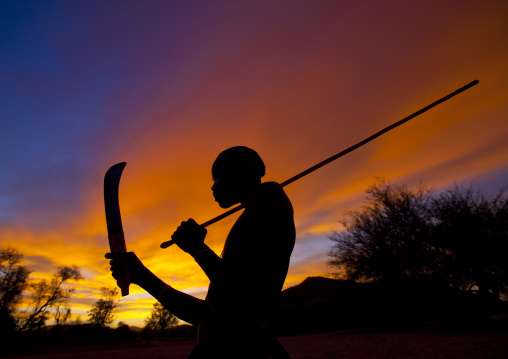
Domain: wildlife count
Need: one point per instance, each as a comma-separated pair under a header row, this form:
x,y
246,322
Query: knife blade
x,y
113,218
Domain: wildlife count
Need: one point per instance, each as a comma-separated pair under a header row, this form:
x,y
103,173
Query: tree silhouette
x,y
160,318
472,229
103,311
62,313
458,238
13,280
385,240
47,295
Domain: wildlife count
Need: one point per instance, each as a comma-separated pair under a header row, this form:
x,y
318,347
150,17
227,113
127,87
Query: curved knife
x,y
113,218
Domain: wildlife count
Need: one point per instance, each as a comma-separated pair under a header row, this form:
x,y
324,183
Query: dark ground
x,y
343,344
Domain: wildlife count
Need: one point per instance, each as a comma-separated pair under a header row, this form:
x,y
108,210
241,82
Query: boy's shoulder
x,y
271,189
272,193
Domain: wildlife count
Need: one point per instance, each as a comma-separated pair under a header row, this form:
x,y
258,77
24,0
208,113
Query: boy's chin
x,y
226,204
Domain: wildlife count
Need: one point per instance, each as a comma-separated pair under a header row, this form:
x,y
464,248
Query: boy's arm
x,y
211,263
182,305
190,237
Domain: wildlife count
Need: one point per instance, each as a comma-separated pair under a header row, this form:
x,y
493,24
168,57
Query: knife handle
x,y
117,245
123,283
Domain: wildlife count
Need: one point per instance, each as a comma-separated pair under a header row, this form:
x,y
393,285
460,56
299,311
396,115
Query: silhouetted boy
x,y
246,280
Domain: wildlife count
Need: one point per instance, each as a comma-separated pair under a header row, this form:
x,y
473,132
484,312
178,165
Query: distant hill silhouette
x,y
322,304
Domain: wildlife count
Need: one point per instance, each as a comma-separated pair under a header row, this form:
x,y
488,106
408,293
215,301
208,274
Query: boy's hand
x,y
189,236
127,263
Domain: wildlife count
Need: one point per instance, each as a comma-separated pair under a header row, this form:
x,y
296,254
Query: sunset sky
x,y
167,85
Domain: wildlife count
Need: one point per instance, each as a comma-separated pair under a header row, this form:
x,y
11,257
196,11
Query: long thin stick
x,y
342,153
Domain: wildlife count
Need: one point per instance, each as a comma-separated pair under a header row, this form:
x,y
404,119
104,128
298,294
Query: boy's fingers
x,y
117,255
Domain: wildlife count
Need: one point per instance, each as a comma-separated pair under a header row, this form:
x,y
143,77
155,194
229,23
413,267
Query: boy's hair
x,y
241,159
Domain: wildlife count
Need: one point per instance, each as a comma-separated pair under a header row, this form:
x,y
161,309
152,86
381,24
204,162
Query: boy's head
x,y
236,173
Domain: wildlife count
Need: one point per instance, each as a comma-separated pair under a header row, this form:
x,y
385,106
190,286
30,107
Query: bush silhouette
x,y
456,239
